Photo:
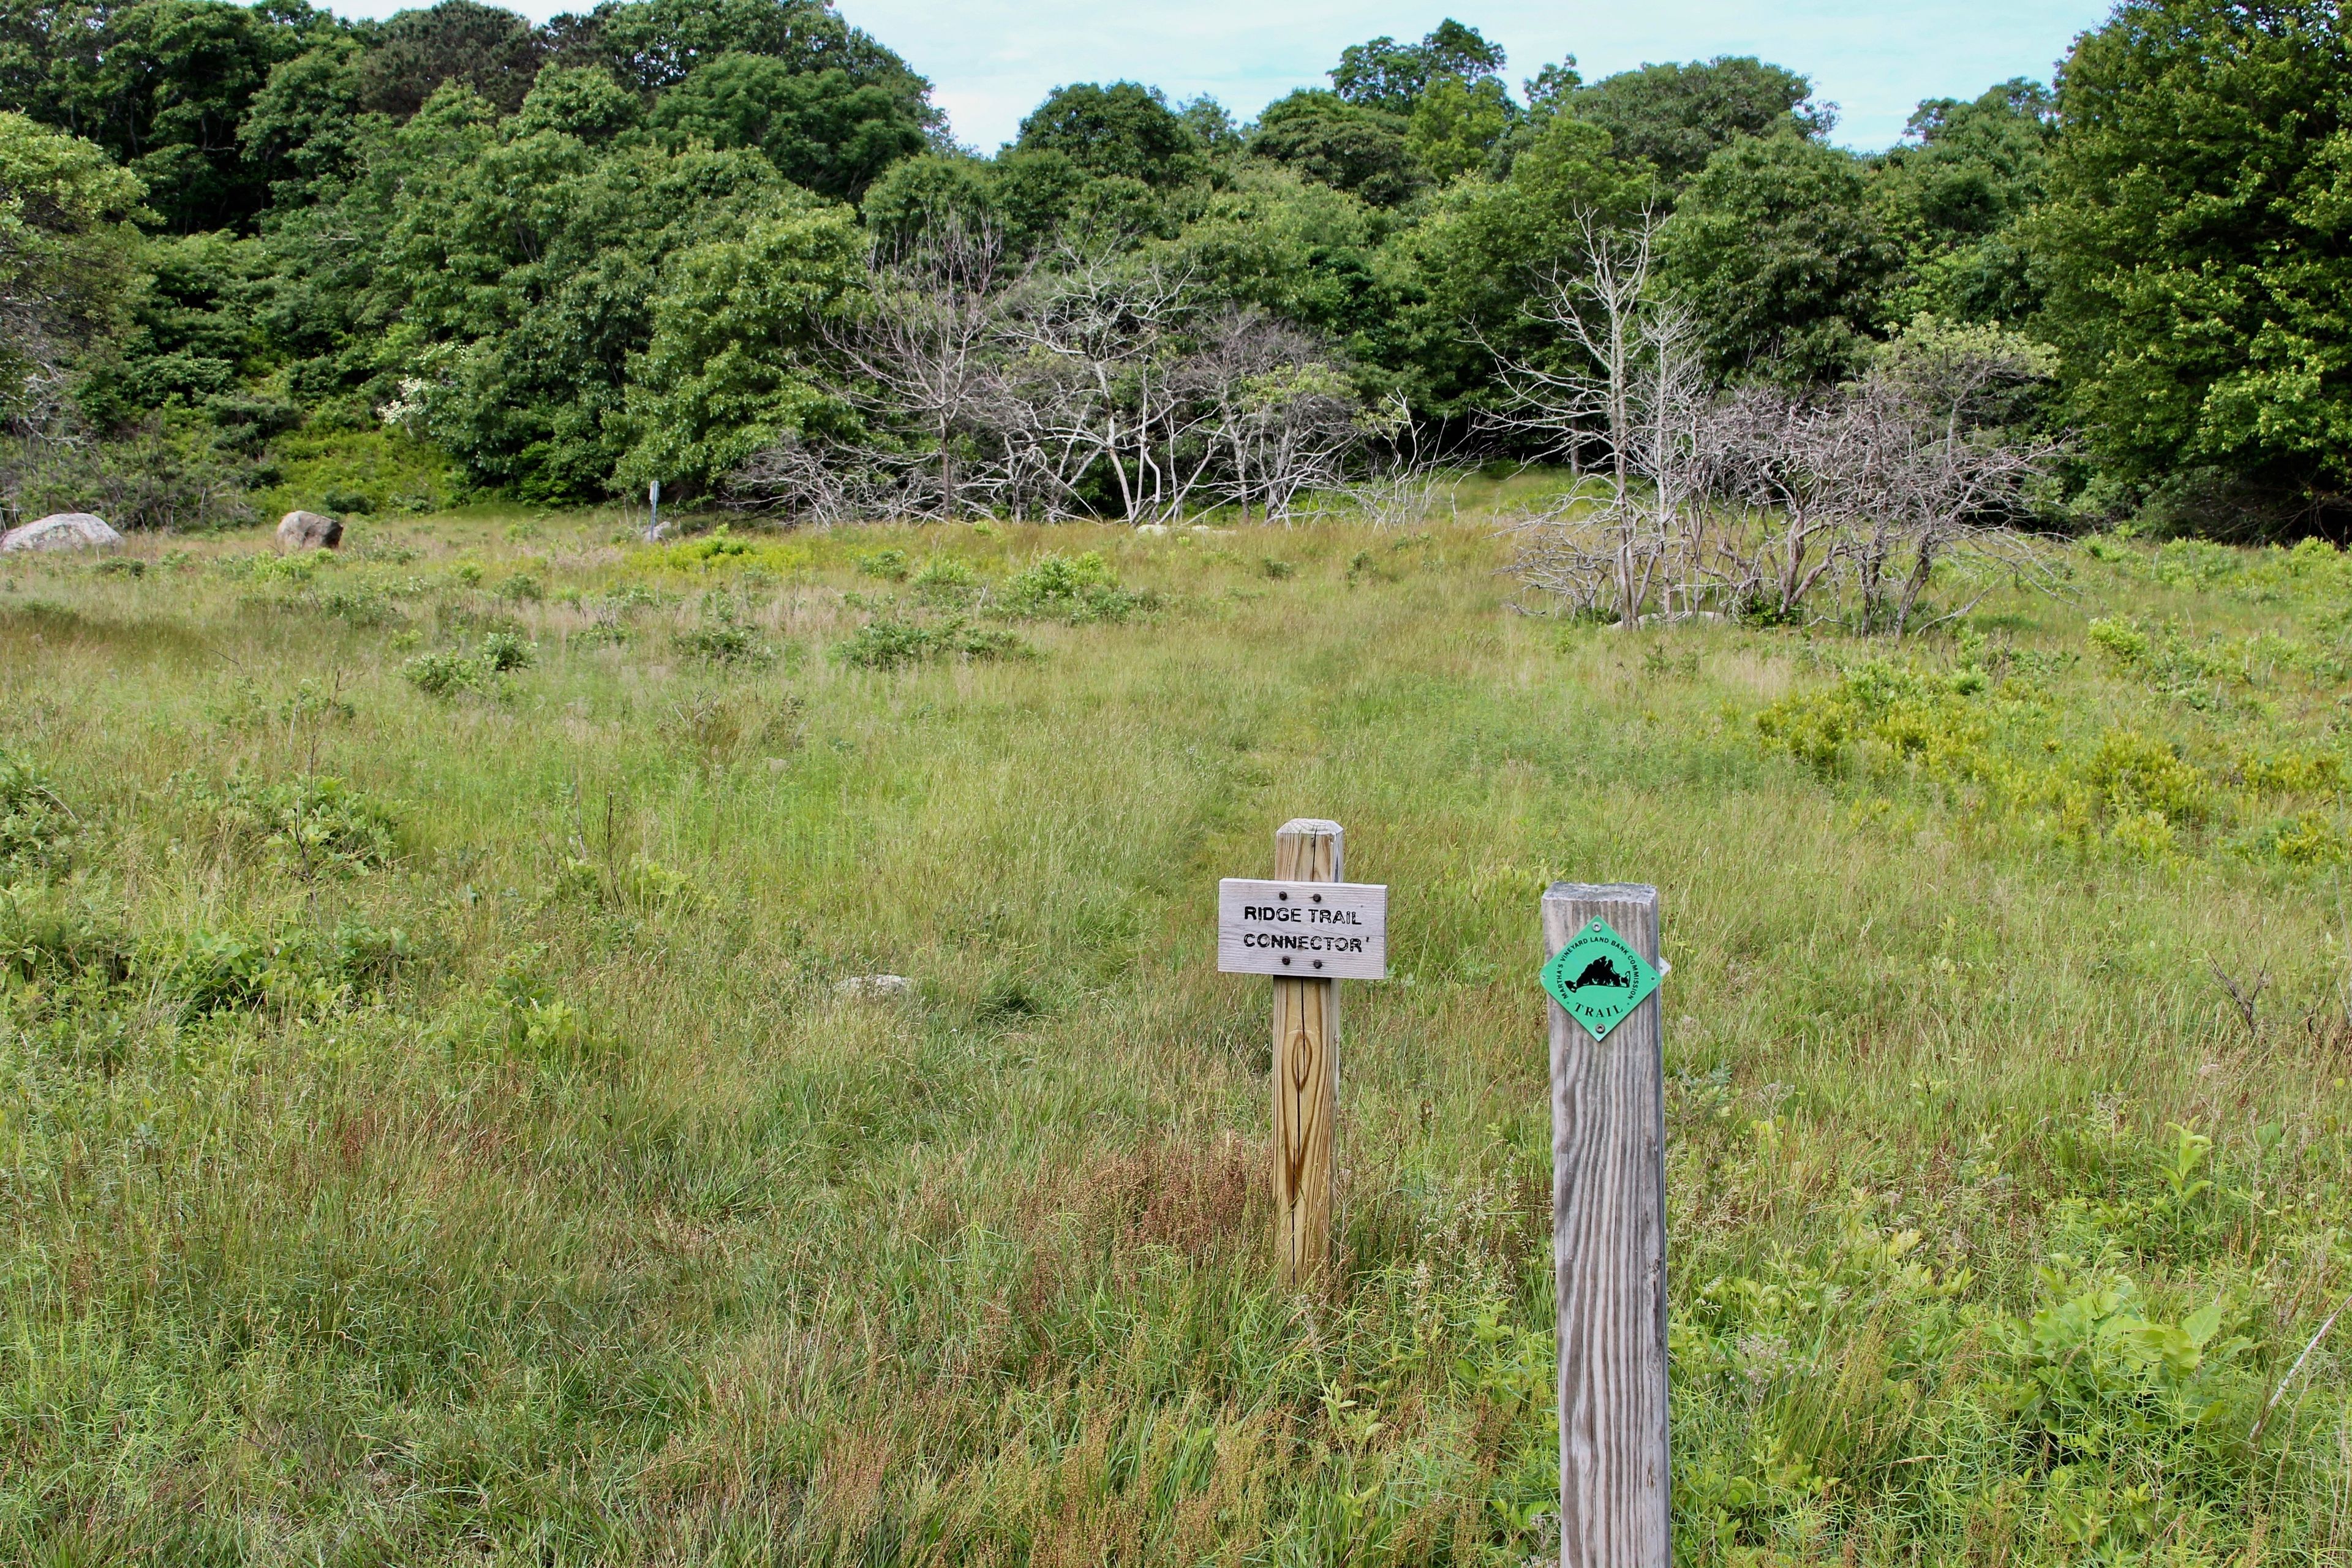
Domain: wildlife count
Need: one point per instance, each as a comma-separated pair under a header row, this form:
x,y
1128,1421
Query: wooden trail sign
x,y
1309,931
1609,1228
1315,930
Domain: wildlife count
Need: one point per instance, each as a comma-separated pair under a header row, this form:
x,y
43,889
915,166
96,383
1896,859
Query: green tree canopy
x,y
1344,146
1456,124
1951,195
161,85
498,278
1674,118
1124,129
1774,245
302,131
656,43
1464,277
494,52
728,368
66,247
1304,251
2198,243
1386,75
820,128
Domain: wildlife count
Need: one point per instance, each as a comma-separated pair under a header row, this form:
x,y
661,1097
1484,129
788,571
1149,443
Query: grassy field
x,y
437,1129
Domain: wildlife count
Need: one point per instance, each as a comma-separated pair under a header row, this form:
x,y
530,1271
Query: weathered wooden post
x,y
1309,931
1305,1069
1609,1221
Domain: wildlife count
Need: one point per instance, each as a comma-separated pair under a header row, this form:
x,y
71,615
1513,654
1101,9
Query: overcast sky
x,y
990,60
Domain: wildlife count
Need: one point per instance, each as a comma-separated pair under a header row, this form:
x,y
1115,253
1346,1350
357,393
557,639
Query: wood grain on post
x,y
1305,1071
1609,1253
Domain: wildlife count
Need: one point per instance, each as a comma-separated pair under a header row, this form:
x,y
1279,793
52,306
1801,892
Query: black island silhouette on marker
x,y
1600,972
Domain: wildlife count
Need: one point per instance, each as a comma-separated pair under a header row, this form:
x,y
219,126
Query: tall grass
x,y
438,1129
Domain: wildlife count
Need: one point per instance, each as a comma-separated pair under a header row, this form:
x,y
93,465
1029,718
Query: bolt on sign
x,y
1309,931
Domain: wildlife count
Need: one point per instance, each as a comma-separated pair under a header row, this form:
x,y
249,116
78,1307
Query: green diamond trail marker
x,y
1597,978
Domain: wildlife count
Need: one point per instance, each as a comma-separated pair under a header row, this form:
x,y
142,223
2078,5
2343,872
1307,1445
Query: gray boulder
x,y
308,530
62,531
873,986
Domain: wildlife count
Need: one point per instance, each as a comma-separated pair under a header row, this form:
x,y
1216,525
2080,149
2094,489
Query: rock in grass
x,y
308,530
875,985
62,531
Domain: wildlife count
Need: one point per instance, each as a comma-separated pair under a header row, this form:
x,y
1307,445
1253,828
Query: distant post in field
x,y
1309,931
1609,1221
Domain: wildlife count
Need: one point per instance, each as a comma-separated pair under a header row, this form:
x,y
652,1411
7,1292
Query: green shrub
x,y
45,936
360,604
1066,587
501,652
2194,562
2094,1369
983,643
946,580
724,642
887,643
2136,773
37,828
885,565
716,545
441,674
313,823
1902,710
2309,838
213,971
2121,641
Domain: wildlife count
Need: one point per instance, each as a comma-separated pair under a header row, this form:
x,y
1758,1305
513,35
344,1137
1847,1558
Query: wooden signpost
x,y
1309,931
1609,1221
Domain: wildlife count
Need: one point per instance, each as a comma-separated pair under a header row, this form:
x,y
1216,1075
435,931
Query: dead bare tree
x,y
1761,502
1280,417
1775,467
1623,401
1094,353
980,388
1953,471
922,354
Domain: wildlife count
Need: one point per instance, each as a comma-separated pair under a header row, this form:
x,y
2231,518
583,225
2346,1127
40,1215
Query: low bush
x,y
443,674
1074,588
314,825
885,643
37,828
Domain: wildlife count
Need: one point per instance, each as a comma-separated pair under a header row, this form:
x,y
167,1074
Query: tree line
x,y
731,244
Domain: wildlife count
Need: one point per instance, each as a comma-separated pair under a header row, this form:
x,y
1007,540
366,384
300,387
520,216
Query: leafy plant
x,y
442,674
312,825
946,580
1075,588
501,652
888,566
37,828
724,642
885,643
